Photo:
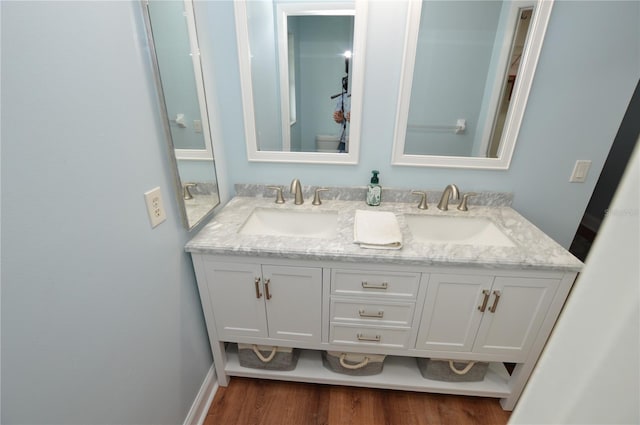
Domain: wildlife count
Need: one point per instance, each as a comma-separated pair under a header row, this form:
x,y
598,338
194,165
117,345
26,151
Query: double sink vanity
x,y
478,285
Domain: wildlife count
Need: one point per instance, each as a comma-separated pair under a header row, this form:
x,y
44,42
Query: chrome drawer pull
x,y
367,285
266,289
257,283
362,337
377,314
482,307
495,301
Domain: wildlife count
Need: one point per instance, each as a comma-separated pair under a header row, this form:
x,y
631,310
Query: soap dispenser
x,y
374,191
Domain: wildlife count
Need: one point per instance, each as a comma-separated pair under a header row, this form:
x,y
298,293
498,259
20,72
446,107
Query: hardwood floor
x,y
256,401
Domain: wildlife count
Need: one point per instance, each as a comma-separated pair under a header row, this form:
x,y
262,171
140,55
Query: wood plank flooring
x,y
249,401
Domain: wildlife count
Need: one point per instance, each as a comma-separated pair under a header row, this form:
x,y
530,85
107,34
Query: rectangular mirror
x,y
306,59
468,68
175,54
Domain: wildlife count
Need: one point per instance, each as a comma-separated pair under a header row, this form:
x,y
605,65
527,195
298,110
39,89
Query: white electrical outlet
x,y
197,126
155,208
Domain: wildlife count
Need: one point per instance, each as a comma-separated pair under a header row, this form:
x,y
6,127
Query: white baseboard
x,y
200,406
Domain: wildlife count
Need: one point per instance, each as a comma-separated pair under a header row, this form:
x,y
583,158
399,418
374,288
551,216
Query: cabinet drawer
x,y
371,284
369,335
384,313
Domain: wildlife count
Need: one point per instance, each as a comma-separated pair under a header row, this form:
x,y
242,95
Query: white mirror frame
x,y
531,53
357,83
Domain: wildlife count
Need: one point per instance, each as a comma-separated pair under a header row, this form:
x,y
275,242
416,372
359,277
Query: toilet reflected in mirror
x,y
327,143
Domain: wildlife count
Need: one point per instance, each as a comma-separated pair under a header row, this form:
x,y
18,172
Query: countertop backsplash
x,y
358,193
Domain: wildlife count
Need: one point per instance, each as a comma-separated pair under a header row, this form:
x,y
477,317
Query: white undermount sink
x,y
456,230
285,222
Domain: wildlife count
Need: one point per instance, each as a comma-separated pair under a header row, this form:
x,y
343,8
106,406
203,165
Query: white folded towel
x,y
377,230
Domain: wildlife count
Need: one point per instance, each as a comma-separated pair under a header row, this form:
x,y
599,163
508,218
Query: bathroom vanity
x,y
493,300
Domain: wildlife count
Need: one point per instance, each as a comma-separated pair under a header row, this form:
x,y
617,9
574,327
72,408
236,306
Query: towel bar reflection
x,y
459,128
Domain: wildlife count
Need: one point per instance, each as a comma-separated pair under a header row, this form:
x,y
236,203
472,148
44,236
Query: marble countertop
x,y
533,249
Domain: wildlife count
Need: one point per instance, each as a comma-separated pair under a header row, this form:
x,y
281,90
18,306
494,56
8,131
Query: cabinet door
x,y
451,317
238,307
294,302
518,315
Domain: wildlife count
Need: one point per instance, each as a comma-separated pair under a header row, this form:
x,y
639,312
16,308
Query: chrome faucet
x,y
296,188
186,193
451,191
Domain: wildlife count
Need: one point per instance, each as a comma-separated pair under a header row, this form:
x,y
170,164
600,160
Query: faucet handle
x,y
186,193
423,200
279,197
463,203
316,197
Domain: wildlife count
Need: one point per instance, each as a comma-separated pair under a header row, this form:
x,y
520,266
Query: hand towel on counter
x,y
377,230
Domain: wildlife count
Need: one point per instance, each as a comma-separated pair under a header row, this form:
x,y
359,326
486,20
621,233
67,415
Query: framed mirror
x,y
301,73
175,54
468,69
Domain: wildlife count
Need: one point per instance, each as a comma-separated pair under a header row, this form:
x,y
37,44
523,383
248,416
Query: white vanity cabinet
x,y
261,300
403,311
455,301
489,314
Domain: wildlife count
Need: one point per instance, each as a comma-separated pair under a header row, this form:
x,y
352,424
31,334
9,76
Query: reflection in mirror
x,y
318,52
468,70
305,57
174,50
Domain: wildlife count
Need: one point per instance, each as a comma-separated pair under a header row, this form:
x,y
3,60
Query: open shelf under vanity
x,y
398,372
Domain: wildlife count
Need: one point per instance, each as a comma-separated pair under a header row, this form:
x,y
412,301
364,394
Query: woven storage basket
x,y
358,364
452,371
267,357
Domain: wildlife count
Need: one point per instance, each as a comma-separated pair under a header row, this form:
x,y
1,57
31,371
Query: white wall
x,y
101,320
588,68
589,371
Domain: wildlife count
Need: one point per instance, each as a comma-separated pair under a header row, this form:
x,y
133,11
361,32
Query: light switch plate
x,y
580,170
155,208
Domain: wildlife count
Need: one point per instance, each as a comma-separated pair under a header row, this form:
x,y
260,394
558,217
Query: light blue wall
x,y
589,66
196,171
101,319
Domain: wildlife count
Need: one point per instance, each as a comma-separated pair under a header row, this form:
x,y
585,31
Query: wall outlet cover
x,y
155,207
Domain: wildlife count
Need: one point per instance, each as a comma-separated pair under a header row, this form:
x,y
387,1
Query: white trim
x,y
357,87
498,85
531,52
194,154
200,407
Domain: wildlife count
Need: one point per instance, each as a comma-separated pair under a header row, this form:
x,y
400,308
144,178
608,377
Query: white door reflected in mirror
x,y
471,62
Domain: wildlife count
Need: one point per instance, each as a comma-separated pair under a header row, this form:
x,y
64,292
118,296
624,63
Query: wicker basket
x,y
358,364
267,357
452,371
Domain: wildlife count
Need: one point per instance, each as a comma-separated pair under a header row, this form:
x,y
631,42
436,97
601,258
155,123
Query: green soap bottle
x,y
374,191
